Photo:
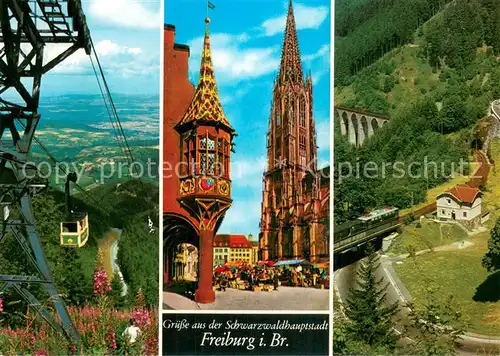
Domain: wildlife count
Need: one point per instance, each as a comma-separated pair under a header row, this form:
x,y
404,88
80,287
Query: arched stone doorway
x,y
178,234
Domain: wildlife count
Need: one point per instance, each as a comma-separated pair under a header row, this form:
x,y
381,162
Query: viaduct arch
x,y
358,125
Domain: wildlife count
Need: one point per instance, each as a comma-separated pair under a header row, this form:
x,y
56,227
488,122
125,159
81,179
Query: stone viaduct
x,y
357,125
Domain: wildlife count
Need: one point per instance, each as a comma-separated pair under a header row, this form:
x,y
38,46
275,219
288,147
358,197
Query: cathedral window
x,y
302,112
278,119
302,142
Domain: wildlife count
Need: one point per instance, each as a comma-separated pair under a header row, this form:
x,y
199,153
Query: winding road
x,y
108,246
116,268
345,279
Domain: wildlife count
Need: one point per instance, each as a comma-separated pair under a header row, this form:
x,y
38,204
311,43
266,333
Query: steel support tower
x,y
27,28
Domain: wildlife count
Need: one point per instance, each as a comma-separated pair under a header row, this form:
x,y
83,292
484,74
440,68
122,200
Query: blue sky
x,y
127,35
246,39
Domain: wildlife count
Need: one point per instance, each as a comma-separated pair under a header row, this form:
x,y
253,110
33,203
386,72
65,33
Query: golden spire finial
x,y
206,106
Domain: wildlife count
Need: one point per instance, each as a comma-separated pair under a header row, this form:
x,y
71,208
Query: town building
x,y
221,250
295,200
461,203
232,248
255,249
197,145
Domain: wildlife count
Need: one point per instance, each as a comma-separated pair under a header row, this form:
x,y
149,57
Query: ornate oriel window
x,y
189,151
207,154
222,166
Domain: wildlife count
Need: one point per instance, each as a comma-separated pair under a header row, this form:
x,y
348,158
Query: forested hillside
x,y
125,206
367,29
435,86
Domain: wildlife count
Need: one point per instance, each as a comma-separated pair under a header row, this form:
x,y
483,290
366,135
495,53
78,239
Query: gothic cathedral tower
x,y
290,202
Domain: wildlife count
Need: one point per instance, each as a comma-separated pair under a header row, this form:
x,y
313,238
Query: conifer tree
x,y
435,326
140,300
71,277
116,292
370,317
491,260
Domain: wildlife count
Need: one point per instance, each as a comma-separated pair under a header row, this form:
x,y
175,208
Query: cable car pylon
x,y
26,27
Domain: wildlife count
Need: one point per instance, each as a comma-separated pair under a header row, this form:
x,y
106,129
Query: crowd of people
x,y
249,277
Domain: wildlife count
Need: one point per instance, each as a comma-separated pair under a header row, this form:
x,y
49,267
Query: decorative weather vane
x,y
210,6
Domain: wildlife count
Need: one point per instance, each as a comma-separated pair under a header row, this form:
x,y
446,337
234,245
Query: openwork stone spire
x,y
290,68
205,106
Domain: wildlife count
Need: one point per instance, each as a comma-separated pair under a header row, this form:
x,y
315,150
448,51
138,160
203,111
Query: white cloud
x,y
323,52
247,172
321,59
115,58
127,13
134,51
229,96
306,17
318,74
233,62
242,216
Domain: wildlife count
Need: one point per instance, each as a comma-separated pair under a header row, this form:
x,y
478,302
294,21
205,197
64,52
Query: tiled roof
x,y
206,106
233,241
463,193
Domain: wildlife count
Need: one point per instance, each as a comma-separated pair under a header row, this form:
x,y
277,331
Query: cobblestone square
x,y
285,298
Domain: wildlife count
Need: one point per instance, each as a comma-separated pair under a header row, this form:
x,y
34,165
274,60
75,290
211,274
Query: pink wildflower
x,y
41,353
1,305
141,318
32,339
111,339
151,346
101,282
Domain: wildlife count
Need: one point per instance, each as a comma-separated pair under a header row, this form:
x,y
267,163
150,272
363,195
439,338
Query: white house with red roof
x,y
461,203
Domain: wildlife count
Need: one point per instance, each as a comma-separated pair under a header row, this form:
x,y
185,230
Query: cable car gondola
x,y
75,227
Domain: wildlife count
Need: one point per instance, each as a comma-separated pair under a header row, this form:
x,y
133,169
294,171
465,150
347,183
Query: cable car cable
x,y
113,125
112,104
